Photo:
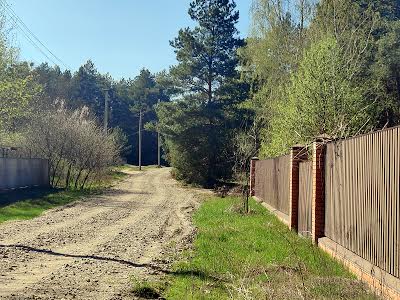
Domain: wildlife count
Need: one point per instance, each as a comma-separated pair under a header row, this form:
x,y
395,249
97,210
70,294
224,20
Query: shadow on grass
x,y
193,273
18,195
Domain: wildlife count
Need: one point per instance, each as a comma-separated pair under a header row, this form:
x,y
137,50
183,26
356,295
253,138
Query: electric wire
x,y
28,34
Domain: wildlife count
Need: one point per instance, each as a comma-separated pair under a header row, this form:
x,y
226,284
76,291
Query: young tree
x,y
322,99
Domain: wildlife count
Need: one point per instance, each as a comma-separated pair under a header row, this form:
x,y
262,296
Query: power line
x,y
28,34
24,33
33,35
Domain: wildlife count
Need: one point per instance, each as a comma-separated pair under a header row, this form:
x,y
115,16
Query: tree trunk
x,y
68,176
77,178
85,180
55,172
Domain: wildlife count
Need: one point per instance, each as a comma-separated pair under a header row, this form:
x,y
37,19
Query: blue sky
x,y
120,36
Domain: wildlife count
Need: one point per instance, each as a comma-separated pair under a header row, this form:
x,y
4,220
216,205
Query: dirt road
x,y
91,249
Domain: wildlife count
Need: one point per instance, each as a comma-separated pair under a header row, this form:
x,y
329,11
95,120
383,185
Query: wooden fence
x,y
362,177
272,182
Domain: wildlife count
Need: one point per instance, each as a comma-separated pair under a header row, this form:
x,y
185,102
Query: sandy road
x,y
90,249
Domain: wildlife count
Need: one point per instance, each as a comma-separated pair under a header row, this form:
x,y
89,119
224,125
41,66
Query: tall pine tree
x,y
198,126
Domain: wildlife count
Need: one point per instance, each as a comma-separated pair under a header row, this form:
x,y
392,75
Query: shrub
x,y
77,148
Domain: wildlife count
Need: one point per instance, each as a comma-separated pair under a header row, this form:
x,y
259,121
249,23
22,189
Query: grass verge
x,y
29,203
255,256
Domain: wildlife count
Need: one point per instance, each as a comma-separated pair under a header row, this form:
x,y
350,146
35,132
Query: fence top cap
x,y
323,138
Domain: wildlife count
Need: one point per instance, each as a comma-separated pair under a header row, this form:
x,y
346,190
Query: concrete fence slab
x,y
23,172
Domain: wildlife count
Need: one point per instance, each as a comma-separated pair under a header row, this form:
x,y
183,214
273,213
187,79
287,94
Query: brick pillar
x,y
297,155
253,175
318,194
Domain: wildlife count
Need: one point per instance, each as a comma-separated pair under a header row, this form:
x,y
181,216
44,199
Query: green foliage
x,y
15,97
255,256
321,100
194,138
207,54
198,126
326,68
144,93
17,86
56,84
385,73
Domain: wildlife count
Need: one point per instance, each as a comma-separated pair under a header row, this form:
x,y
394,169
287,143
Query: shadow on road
x,y
195,273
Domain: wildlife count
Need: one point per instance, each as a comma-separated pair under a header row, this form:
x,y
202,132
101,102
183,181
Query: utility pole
x,y
158,145
140,139
106,100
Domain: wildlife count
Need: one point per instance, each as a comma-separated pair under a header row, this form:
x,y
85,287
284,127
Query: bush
x,y
77,148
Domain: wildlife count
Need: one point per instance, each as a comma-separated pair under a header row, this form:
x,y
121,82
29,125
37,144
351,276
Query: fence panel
x,y
272,182
362,197
23,172
305,198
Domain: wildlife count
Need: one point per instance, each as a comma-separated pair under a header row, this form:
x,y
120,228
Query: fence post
x,y
253,176
318,192
297,155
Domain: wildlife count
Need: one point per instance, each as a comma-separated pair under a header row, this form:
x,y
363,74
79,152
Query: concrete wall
x,y
23,172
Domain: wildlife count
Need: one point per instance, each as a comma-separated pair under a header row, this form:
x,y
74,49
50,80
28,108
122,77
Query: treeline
x,y
307,68
322,67
126,97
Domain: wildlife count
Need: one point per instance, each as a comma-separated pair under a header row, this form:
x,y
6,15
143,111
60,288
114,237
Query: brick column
x,y
297,155
253,175
318,193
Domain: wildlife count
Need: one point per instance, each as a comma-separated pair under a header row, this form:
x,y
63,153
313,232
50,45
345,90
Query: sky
x,y
120,36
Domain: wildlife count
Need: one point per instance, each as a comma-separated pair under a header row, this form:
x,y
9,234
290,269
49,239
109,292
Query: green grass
x,y
30,203
31,208
255,256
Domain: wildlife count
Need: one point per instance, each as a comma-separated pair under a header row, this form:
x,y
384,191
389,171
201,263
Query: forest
x,y
305,69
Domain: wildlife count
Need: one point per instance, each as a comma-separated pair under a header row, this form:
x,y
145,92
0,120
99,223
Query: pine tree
x,y
207,54
198,127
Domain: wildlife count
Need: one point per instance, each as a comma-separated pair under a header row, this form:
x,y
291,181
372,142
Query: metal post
x,y
140,139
